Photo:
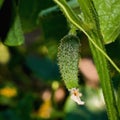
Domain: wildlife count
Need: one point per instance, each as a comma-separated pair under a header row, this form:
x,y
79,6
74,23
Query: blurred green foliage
x,y
31,69
1,2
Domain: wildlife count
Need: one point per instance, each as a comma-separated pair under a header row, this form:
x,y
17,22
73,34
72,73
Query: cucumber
x,y
68,58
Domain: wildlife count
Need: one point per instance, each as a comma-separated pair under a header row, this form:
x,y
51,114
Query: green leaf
x,y
43,67
1,2
15,35
109,16
29,10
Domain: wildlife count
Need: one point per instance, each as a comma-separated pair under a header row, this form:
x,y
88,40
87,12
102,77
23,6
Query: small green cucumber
x,y
68,58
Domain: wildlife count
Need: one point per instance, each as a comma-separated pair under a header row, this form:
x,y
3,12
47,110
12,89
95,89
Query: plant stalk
x,y
107,87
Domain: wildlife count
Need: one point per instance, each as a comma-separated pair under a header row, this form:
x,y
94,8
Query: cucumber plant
x,y
68,59
92,23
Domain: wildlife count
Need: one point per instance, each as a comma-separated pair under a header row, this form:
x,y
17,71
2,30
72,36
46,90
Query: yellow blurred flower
x,y
45,109
4,54
8,92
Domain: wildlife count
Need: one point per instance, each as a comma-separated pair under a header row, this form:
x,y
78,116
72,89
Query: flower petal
x,y
77,99
75,96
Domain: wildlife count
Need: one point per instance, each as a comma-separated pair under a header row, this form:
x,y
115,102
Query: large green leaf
x,y
109,15
29,10
15,34
43,67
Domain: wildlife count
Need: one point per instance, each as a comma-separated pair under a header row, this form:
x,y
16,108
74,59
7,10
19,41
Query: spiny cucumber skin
x,y
68,58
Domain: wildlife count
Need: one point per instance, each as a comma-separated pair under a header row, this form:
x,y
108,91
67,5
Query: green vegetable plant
x,y
69,49
99,21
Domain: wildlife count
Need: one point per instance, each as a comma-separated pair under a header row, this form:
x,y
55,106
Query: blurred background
x,y
31,87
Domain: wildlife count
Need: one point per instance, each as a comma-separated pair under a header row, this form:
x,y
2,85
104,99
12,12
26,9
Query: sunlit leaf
x,y
109,15
15,34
